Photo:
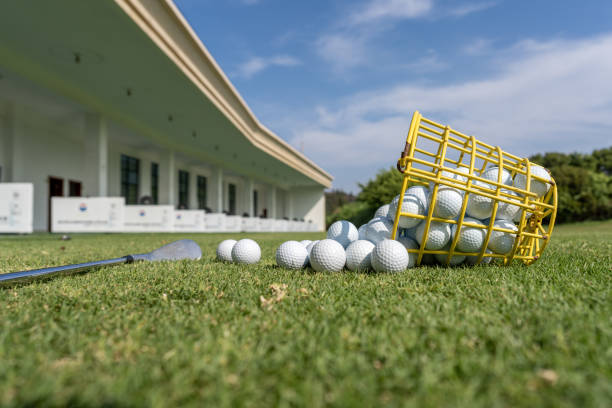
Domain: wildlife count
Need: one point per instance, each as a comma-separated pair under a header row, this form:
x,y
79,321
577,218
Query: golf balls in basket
x,y
448,203
246,251
224,250
422,193
358,255
537,186
327,255
292,255
383,211
471,260
411,204
379,229
389,256
506,211
439,234
471,239
344,232
502,242
479,206
362,231
409,243
492,172
455,259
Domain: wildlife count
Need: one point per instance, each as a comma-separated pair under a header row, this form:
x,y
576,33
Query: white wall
x,y
309,204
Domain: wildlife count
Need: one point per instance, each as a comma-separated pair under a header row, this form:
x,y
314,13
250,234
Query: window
x,y
74,188
231,198
201,192
130,177
255,209
155,182
183,179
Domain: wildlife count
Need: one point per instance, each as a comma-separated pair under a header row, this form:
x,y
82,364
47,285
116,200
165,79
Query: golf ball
x,y
501,242
344,232
537,186
411,205
455,259
292,255
224,250
439,234
389,256
422,193
362,231
506,211
327,255
471,239
305,242
383,211
246,251
471,260
492,173
409,243
358,255
479,206
379,229
448,203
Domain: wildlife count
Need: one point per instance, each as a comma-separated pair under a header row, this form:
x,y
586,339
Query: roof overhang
x,y
155,76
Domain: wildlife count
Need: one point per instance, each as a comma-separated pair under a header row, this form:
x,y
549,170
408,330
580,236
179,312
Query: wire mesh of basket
x,y
440,158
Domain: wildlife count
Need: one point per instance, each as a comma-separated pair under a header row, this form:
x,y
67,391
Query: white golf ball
x,y
492,172
479,206
246,251
502,242
344,232
471,239
358,255
224,250
448,203
292,255
422,193
506,211
379,229
455,259
439,234
362,231
327,255
305,242
537,186
411,205
383,211
389,256
409,243
471,260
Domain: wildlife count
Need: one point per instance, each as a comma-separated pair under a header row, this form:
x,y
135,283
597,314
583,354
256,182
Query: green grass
x,y
199,333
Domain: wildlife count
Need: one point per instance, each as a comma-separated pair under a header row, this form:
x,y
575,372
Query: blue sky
x,y
339,79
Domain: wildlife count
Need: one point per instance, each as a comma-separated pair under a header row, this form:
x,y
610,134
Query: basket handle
x,y
400,166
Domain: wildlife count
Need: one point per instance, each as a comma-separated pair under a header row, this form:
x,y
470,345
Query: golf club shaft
x,y
45,273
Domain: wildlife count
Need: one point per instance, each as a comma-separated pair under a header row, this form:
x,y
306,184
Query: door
x,y
74,188
56,189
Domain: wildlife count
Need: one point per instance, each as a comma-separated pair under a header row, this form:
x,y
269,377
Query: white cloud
x,y
255,65
479,46
546,96
342,51
376,10
469,8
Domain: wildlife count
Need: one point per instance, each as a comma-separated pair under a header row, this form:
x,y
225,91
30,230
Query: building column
x,y
289,204
96,156
167,179
272,202
193,189
145,177
216,189
248,195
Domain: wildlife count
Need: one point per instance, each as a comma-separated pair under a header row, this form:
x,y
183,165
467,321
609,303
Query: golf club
x,y
174,251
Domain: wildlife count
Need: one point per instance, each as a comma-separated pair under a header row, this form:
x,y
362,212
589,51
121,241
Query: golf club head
x,y
174,251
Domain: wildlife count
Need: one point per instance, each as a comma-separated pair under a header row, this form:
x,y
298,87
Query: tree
x,y
381,190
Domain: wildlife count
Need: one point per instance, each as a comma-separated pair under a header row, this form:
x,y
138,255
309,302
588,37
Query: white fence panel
x,y
149,218
189,220
93,214
16,207
233,223
214,222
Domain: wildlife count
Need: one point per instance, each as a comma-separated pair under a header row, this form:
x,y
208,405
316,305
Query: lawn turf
x,y
203,333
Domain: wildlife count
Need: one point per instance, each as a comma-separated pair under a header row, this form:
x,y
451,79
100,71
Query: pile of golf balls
x,y
370,248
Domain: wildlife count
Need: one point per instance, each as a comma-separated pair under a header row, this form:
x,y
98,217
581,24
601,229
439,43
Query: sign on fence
x,y
79,214
189,220
214,222
148,218
16,207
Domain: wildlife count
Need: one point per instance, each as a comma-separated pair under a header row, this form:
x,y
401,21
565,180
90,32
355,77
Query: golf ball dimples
x,y
492,173
409,243
501,242
383,211
305,242
224,250
507,211
439,234
479,206
537,186
327,255
410,204
362,231
448,203
292,255
389,256
358,255
470,239
455,259
309,248
344,232
422,193
246,251
471,260
379,229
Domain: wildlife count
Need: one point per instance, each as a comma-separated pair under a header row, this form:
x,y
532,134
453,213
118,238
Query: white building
x,y
121,98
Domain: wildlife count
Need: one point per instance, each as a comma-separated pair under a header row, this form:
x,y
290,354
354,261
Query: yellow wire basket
x,y
440,157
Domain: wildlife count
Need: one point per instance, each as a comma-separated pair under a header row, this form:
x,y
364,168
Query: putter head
x,y
174,251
